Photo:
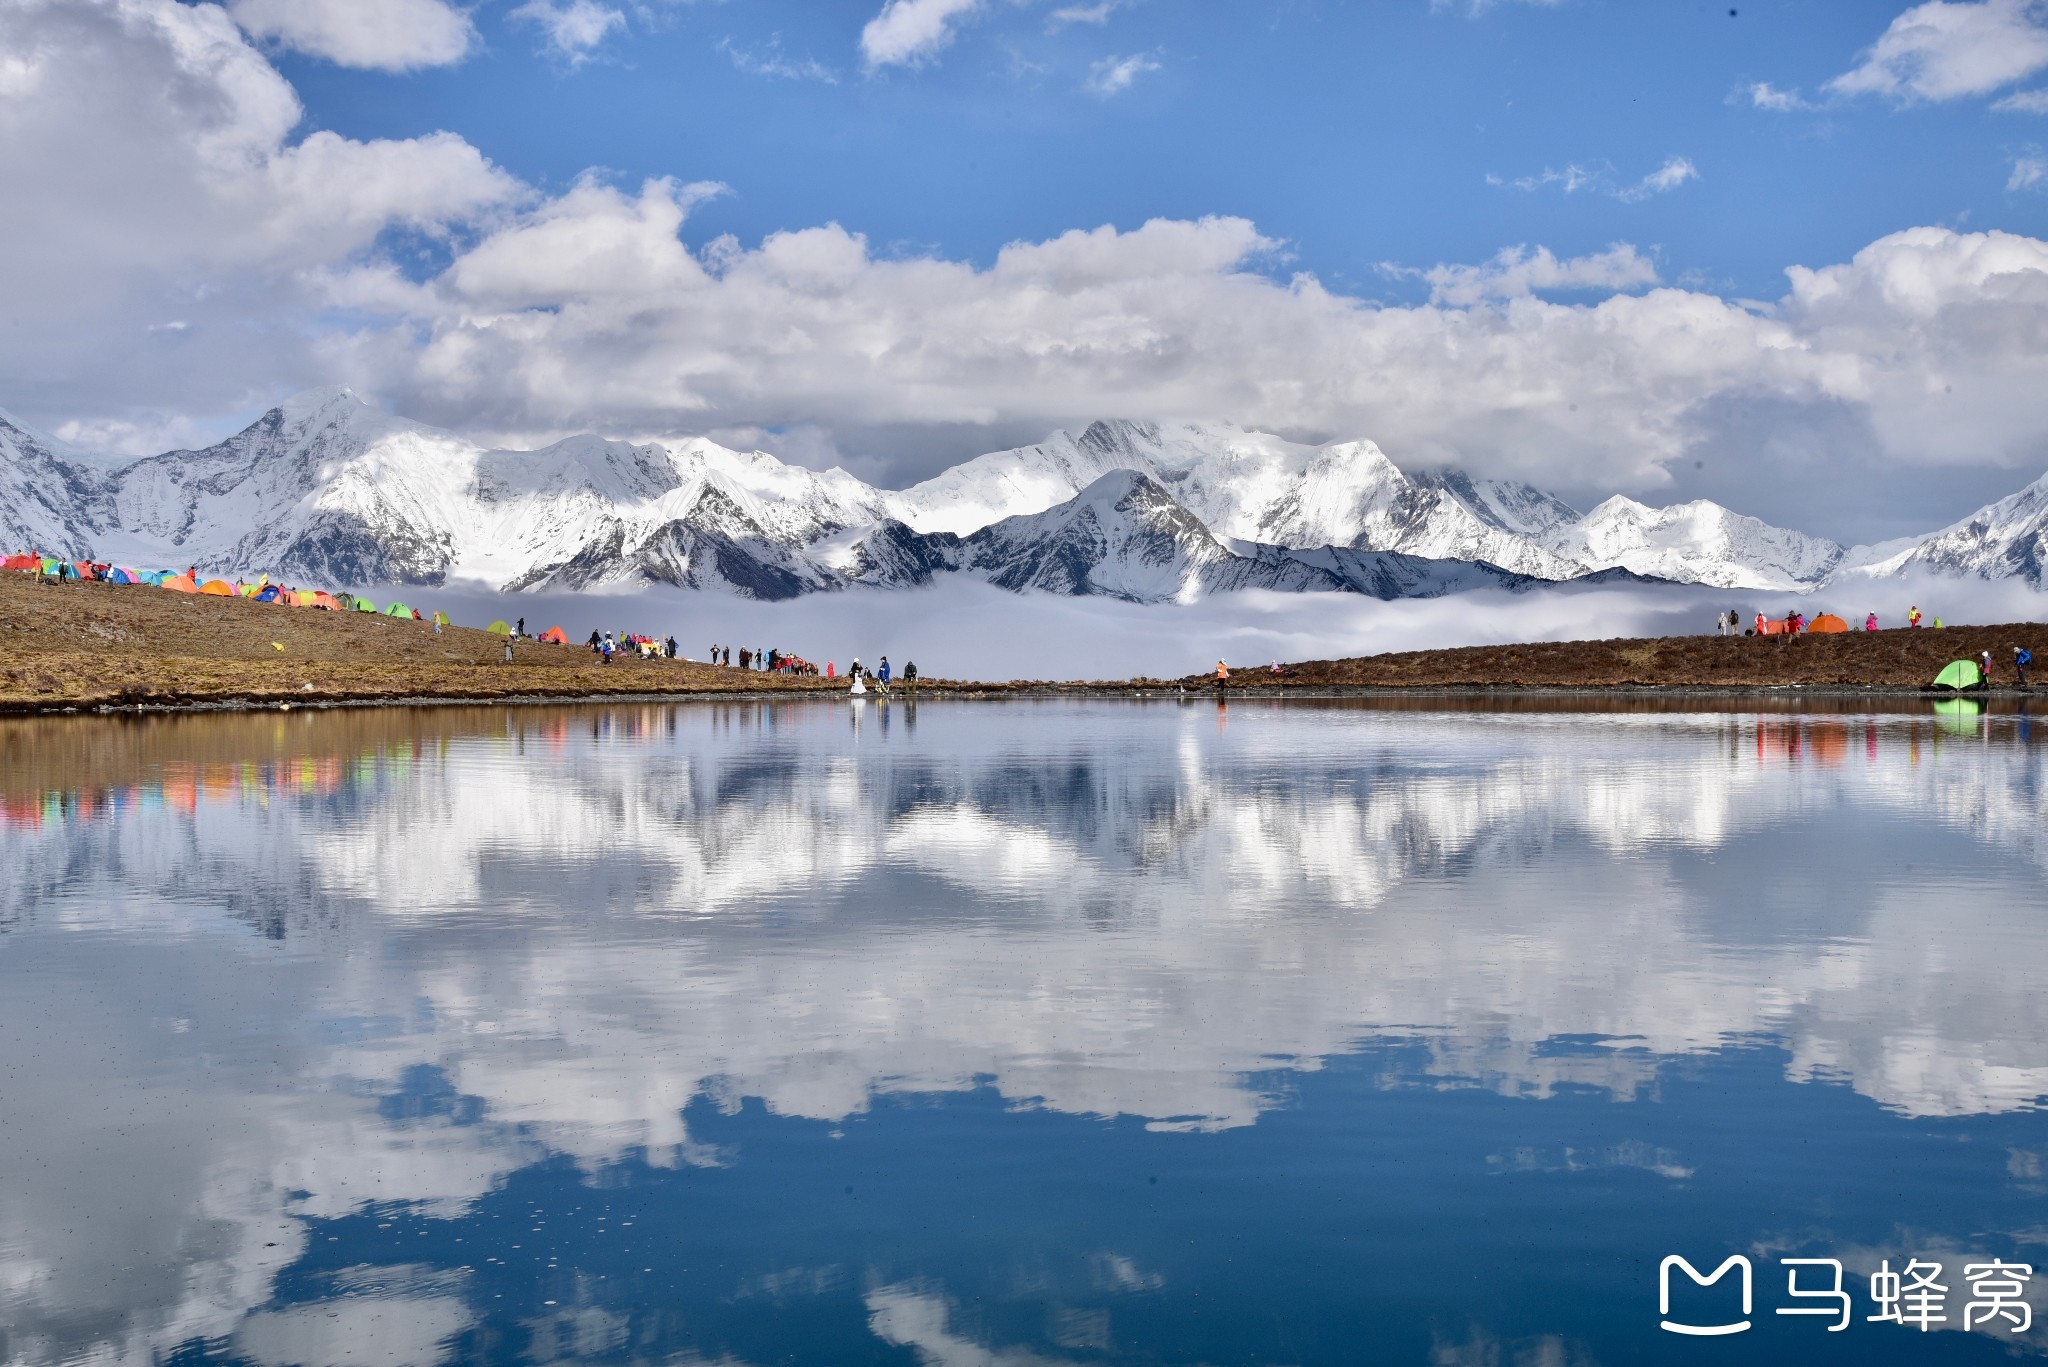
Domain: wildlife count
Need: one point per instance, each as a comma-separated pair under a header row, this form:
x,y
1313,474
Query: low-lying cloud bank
x,y
975,631
190,254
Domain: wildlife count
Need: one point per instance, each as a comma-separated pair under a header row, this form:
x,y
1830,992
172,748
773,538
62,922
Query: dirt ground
x,y
1902,658
87,644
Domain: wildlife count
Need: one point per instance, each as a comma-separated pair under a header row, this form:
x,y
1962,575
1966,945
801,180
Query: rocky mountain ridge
x,y
329,489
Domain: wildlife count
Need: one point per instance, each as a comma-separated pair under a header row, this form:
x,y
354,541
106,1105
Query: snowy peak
x,y
2003,540
1695,543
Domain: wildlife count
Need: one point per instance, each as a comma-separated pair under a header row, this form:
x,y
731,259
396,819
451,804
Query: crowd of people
x,y
1796,623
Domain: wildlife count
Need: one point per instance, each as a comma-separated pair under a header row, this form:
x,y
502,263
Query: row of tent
x,y
262,591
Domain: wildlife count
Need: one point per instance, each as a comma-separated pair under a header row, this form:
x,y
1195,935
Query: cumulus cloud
x,y
1520,271
1947,49
573,30
1113,75
170,191
910,32
384,35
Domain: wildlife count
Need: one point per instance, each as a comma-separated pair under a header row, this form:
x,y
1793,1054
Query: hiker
x,y
1870,622
1913,616
595,643
1984,658
746,658
1760,624
508,650
1222,676
910,676
831,670
519,627
609,646
2021,658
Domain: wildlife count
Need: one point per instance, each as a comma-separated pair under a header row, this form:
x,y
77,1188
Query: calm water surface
x,y
1015,1034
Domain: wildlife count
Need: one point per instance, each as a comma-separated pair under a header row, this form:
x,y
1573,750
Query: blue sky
x,y
1790,258
1361,134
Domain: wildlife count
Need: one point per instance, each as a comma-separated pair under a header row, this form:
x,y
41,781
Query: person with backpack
x,y
2021,658
882,674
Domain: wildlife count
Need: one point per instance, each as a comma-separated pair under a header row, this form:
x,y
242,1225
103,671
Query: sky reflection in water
x,y
1008,1034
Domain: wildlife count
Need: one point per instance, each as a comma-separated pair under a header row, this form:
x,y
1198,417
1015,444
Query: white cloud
x,y
1113,75
1600,180
385,35
169,189
1675,172
574,30
1947,49
2023,102
1097,14
1518,272
773,61
2027,172
910,32
1764,95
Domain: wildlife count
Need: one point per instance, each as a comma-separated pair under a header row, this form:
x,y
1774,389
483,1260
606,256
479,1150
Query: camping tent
x,y
399,610
365,605
118,575
178,583
22,562
269,593
500,628
1827,621
555,636
1959,674
218,588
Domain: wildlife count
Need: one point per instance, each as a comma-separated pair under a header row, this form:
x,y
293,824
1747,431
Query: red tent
x,y
555,636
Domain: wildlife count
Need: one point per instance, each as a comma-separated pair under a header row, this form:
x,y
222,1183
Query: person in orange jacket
x,y
1913,616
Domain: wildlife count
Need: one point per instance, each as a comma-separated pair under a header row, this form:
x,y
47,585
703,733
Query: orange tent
x,y
1827,621
23,562
219,588
555,636
178,583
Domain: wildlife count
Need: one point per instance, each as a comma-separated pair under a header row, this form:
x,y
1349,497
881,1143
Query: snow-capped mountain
x,y
1258,487
44,494
1697,543
2003,540
326,489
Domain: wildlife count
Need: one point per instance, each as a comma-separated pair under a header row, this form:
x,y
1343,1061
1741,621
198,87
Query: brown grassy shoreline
x,y
80,646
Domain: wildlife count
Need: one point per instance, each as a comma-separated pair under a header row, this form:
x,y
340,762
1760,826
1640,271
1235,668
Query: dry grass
x,y
1878,659
84,644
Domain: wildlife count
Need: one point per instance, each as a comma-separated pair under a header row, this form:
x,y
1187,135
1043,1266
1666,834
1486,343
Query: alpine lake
x,y
1006,1034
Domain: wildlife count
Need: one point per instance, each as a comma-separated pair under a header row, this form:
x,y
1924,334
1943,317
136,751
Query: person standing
x,y
1913,616
1984,663
2021,658
1222,676
520,628
882,674
1870,622
910,676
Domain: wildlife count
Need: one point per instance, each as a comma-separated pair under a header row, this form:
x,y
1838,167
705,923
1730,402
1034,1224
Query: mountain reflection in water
x,y
1016,1033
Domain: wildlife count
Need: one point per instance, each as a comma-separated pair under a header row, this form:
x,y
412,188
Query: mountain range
x,y
327,489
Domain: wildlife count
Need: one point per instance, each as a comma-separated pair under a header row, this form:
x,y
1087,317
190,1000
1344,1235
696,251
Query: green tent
x,y
365,605
399,610
1959,674
441,620
499,628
